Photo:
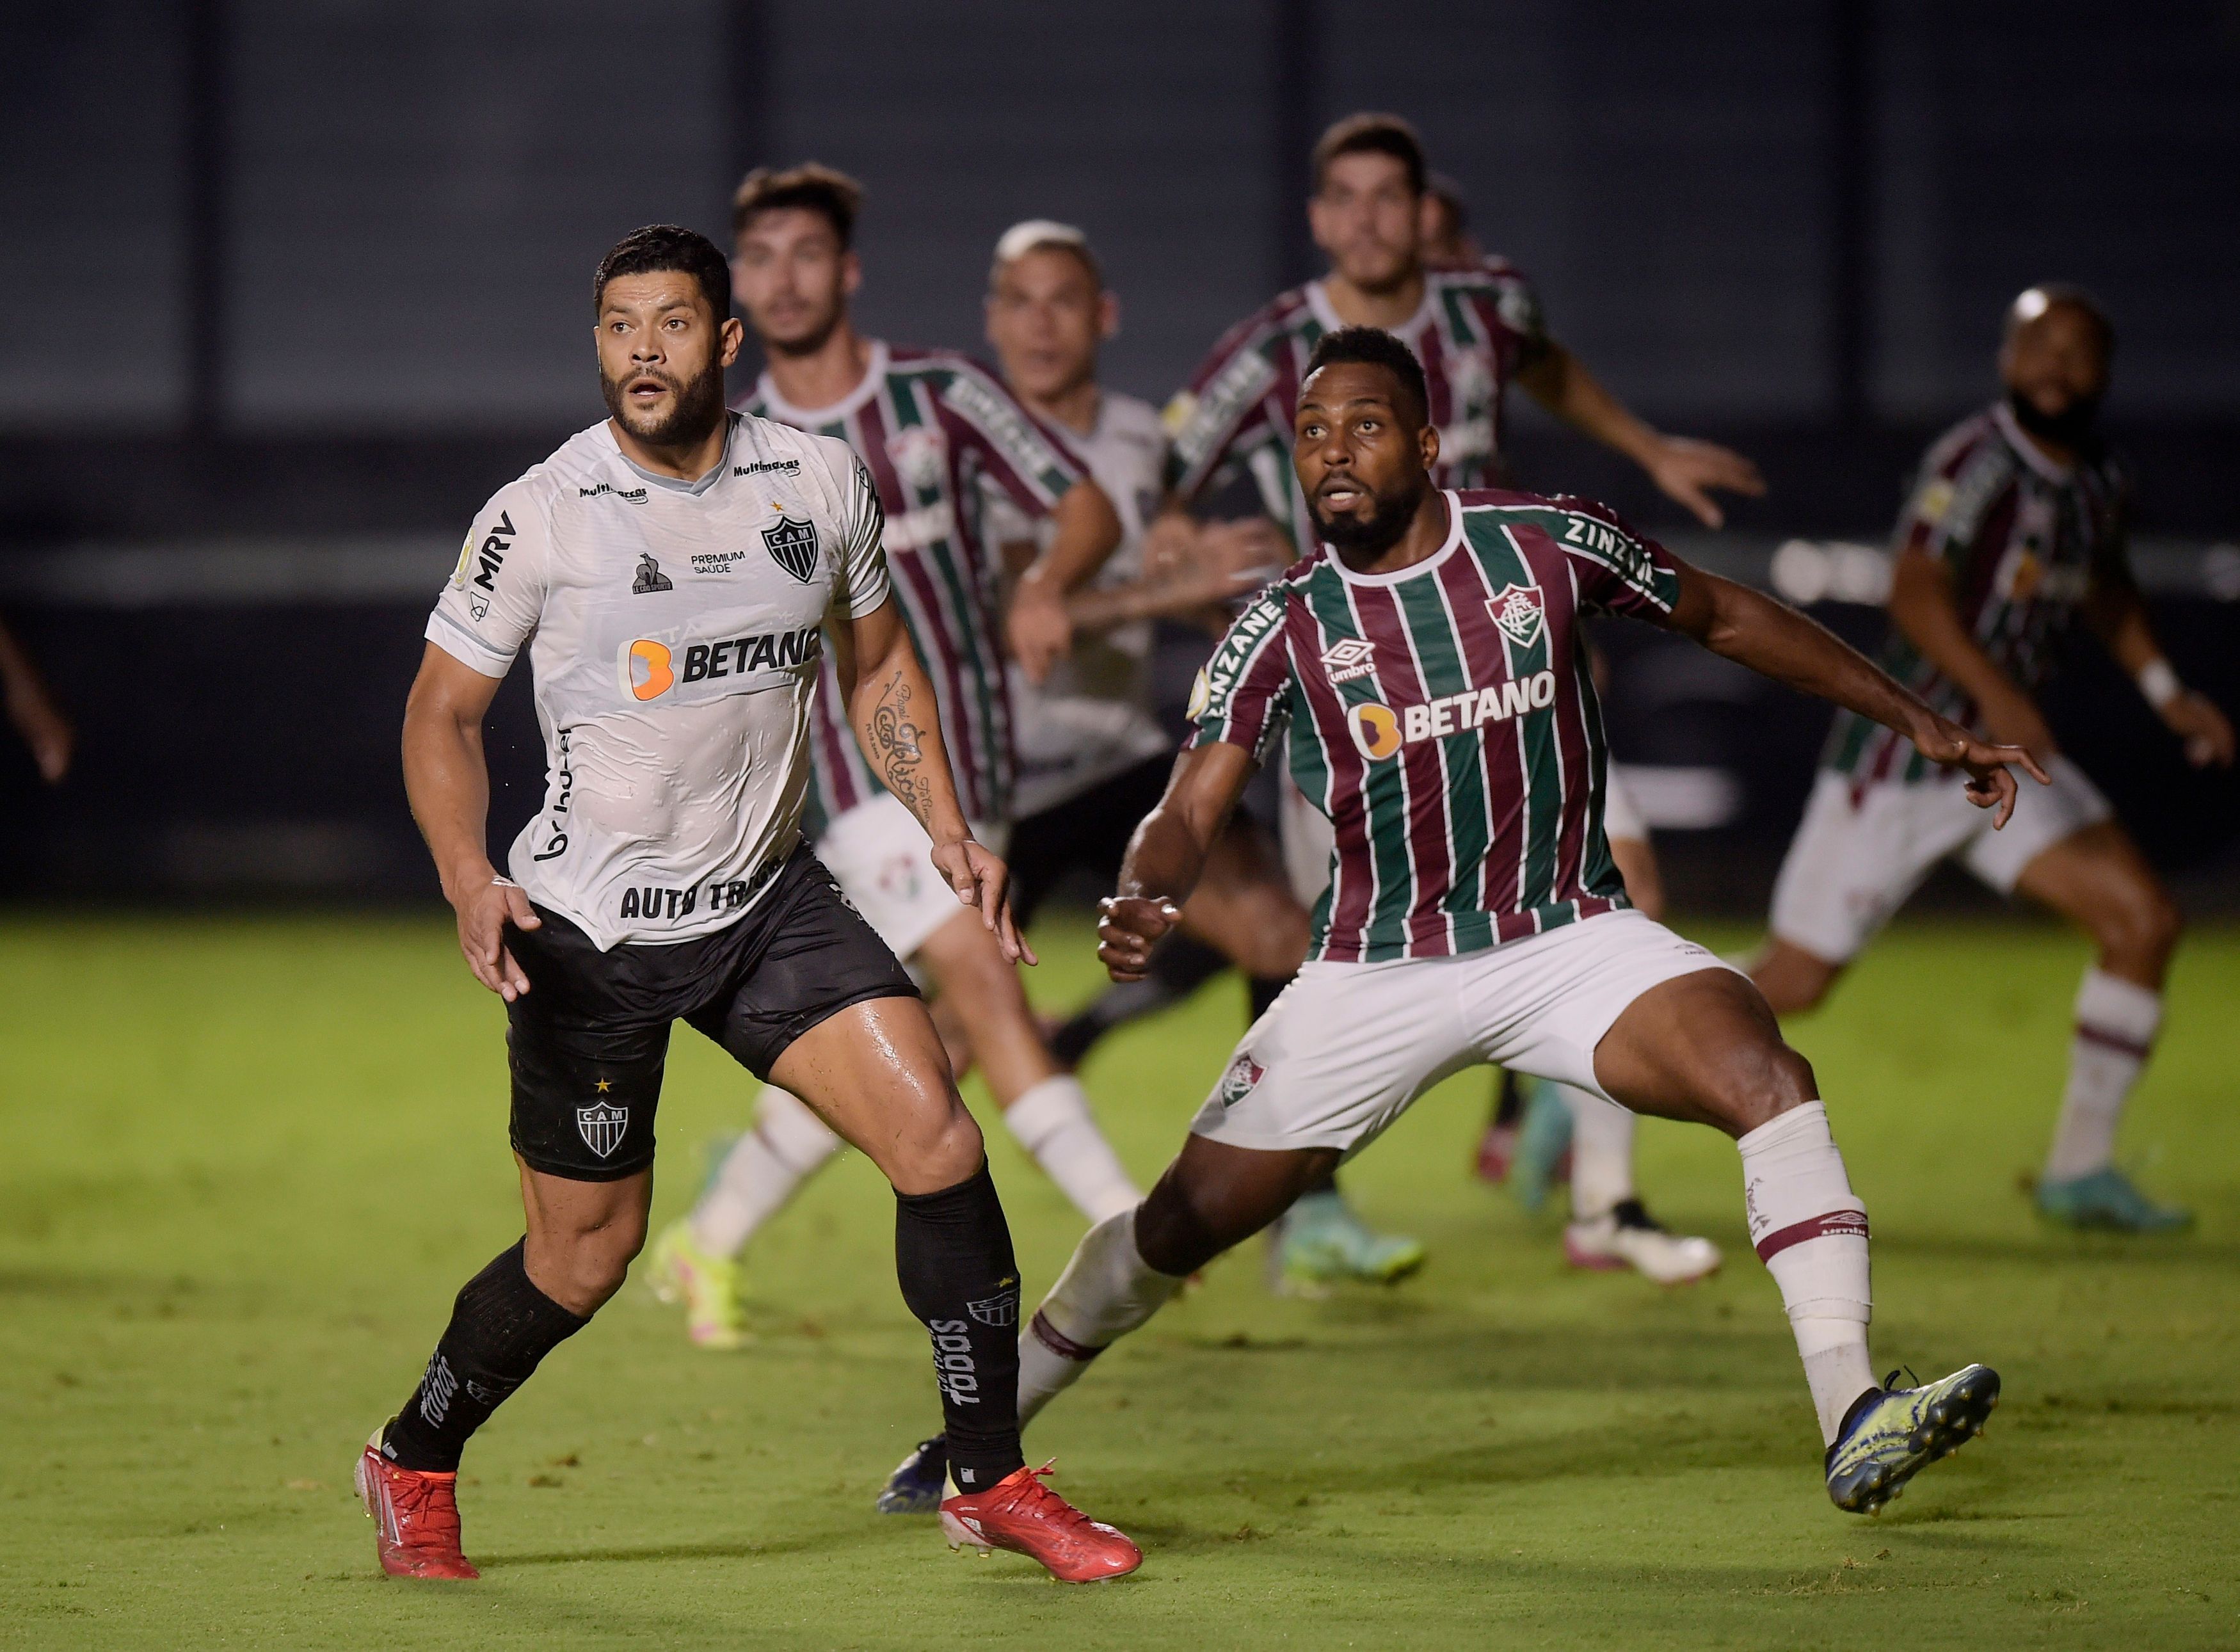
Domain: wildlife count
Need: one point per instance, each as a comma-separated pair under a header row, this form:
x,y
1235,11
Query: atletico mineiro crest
x,y
1516,610
793,547
602,1125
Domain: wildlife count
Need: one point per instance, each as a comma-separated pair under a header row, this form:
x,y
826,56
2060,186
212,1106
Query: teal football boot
x,y
2110,1200
1891,1434
1544,1145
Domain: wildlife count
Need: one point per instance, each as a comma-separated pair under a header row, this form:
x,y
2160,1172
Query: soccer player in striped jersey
x,y
931,428
1425,673
2014,532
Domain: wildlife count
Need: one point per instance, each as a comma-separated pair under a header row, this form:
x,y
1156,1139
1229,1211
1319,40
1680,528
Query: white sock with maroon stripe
x,y
1107,1290
2117,1021
1810,1231
1602,1154
787,1146
1052,1122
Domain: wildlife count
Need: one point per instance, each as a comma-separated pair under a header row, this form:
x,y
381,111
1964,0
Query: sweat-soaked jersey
x,y
1443,718
1478,325
932,426
2024,541
674,637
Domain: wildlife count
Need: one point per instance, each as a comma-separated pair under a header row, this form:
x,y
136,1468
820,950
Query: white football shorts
x,y
1852,864
884,864
1348,1046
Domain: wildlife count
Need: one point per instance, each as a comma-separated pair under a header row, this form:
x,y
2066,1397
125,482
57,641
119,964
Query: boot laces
x,y
1037,1499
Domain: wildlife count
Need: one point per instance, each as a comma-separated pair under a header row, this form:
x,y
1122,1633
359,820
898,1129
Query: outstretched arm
x,y
2118,614
1168,853
33,710
898,727
448,783
1088,531
1776,640
1683,469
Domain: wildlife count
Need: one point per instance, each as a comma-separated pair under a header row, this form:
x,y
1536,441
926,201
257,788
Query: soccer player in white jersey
x,y
668,570
2014,532
1426,669
930,428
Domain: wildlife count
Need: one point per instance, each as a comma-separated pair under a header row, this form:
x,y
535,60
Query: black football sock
x,y
1179,968
501,1326
1262,990
953,1257
1507,1101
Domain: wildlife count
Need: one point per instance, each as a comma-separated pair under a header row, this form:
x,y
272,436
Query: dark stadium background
x,y
293,286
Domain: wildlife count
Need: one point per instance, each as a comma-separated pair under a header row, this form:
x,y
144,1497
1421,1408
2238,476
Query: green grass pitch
x,y
247,1161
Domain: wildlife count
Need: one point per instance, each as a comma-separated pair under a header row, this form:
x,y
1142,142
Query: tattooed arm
x,y
898,729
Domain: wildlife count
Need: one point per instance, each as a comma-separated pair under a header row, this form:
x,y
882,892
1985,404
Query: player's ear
x,y
730,336
852,273
1427,442
1108,316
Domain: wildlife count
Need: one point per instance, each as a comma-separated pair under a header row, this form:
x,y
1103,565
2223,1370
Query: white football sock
x,y
1052,1122
787,1146
2116,1024
1601,1153
1107,1290
1810,1231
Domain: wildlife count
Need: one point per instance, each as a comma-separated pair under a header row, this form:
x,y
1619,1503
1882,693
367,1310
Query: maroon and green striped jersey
x,y
1478,325
1443,719
933,427
2024,541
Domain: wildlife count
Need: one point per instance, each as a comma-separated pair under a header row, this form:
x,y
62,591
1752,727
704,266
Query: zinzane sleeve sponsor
x,y
1243,696
1026,461
1617,571
1222,414
1951,496
491,605
863,553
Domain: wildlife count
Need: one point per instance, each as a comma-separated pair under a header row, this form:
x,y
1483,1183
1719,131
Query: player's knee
x,y
937,1146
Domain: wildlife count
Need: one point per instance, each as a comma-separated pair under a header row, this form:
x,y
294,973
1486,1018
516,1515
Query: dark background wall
x,y
307,280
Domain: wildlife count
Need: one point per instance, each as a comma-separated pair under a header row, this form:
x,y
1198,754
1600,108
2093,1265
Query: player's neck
x,y
687,462
824,376
1421,541
1359,307
1075,407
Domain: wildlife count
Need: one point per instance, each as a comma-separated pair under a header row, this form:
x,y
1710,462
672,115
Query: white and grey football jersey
x,y
673,635
1092,718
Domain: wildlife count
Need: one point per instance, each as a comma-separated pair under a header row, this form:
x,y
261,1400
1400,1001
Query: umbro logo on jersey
x,y
633,495
649,577
1353,657
1517,611
793,547
602,1126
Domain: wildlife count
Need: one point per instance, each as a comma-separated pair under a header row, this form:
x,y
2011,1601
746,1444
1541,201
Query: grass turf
x,y
247,1161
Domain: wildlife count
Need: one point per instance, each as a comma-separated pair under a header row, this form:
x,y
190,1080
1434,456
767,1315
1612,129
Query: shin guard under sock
x,y
501,1326
953,1257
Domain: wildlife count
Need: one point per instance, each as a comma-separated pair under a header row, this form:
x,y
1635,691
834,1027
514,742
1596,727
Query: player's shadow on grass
x,y
736,1548
2052,1245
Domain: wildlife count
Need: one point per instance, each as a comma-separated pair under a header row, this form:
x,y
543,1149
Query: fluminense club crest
x,y
793,547
602,1125
1516,610
1238,1081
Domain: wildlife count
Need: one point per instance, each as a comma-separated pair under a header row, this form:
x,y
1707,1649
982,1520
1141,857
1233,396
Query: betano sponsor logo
x,y
1378,731
648,669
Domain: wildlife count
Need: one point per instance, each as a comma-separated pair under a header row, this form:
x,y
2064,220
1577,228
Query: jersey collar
x,y
1318,301
875,370
1454,538
677,484
2018,439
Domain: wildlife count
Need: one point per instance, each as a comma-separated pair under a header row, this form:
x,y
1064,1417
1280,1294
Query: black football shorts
x,y
587,1041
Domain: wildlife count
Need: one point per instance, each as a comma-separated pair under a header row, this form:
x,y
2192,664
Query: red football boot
x,y
415,1517
1497,1151
1021,1513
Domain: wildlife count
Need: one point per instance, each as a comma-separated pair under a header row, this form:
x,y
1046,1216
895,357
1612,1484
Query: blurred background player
x,y
32,711
932,427
1444,224
2015,530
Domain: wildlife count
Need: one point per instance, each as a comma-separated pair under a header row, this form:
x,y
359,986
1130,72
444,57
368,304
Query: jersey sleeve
x,y
863,584
1952,497
491,605
1222,415
1614,569
1027,461
1518,302
1244,695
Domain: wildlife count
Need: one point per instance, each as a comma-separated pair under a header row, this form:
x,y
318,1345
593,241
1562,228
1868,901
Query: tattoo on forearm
x,y
897,748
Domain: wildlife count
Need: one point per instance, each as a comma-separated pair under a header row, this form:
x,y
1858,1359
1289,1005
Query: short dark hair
x,y
812,187
2035,300
667,246
1374,347
1373,134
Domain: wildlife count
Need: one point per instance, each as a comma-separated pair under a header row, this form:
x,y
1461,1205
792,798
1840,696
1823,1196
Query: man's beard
x,y
1380,532
2071,427
808,343
695,409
